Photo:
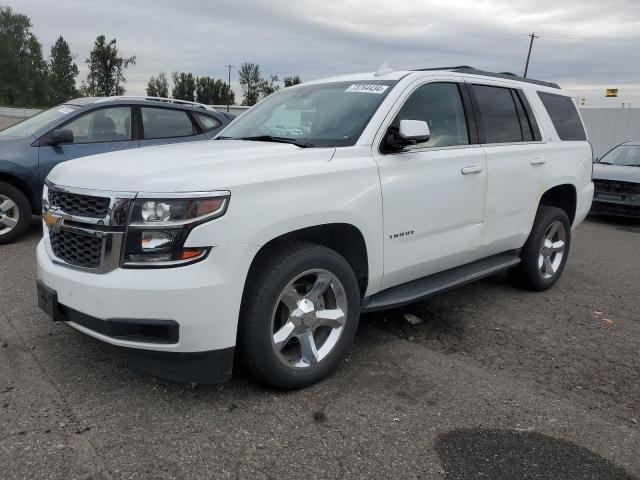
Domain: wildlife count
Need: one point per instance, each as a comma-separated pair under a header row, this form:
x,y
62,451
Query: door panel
x,y
97,131
433,213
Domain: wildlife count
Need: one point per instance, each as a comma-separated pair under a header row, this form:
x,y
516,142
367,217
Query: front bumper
x,y
616,208
202,299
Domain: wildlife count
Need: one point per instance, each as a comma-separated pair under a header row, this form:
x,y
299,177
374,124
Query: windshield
x,y
323,115
625,155
35,123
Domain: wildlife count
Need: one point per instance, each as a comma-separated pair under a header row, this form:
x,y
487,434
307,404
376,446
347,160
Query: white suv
x,y
325,200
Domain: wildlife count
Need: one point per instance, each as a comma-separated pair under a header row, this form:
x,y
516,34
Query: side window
x,y
166,123
564,116
440,105
499,118
102,125
207,122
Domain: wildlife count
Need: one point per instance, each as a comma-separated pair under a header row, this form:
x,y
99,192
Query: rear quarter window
x,y
564,116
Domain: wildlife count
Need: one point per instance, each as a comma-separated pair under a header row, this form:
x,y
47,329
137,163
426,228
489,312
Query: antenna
x,y
383,69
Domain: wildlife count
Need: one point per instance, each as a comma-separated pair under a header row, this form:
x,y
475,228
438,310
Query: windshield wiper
x,y
605,163
271,138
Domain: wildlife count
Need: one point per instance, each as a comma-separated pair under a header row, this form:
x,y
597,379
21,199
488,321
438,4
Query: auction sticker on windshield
x,y
367,88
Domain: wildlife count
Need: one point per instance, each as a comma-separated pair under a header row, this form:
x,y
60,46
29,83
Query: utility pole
x,y
526,67
229,92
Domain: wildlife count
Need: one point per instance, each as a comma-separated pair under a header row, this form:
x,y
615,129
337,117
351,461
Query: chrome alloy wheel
x,y
9,215
553,249
308,318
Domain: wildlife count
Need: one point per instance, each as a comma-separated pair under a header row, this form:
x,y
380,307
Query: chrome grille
x,y
76,249
82,205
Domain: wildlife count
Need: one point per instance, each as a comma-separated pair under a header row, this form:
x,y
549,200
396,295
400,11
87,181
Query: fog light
x,y
156,240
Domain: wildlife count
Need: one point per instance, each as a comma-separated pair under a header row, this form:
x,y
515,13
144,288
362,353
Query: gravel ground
x,y
488,382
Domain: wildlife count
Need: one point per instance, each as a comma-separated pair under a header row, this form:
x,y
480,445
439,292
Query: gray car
x,y
86,126
616,177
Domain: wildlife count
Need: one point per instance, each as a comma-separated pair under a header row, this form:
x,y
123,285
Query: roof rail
x,y
506,75
156,99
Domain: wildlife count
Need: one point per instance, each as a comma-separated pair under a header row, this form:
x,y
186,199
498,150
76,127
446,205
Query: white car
x,y
390,186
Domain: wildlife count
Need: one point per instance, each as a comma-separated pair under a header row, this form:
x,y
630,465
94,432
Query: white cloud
x,y
585,45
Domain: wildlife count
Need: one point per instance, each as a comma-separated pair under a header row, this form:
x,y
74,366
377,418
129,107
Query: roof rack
x,y
156,99
506,75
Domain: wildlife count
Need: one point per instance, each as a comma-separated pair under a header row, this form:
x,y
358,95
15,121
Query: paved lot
x,y
495,383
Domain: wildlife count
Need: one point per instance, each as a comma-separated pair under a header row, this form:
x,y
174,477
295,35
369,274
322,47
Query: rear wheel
x,y
15,213
299,315
545,253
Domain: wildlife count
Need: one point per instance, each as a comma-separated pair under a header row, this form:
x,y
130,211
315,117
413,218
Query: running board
x,y
440,282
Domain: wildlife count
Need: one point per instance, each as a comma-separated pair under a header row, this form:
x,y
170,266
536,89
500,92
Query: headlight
x,y
158,229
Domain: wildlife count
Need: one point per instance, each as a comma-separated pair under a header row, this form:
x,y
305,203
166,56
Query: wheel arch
x,y
563,196
23,187
344,238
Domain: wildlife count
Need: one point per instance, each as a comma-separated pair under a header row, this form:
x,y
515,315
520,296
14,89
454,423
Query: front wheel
x,y
15,213
299,315
545,253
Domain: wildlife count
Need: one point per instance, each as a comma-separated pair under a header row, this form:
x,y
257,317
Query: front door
x,y
433,192
97,131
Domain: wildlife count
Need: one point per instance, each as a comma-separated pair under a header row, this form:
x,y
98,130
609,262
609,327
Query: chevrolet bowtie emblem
x,y
52,221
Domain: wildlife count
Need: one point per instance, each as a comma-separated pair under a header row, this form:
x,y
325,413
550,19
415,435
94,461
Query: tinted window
x,y
207,122
440,105
103,125
166,123
564,116
500,122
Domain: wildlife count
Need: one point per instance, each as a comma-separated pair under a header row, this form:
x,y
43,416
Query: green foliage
x,y
292,80
267,87
23,69
250,82
62,73
184,86
213,92
106,69
158,87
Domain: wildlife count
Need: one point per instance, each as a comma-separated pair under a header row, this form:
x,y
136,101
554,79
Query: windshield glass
x,y
323,115
627,155
39,120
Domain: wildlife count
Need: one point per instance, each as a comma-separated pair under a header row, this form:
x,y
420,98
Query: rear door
x,y
100,130
162,125
510,136
433,192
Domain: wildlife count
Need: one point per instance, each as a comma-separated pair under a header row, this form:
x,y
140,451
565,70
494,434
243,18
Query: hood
x,y
196,166
618,173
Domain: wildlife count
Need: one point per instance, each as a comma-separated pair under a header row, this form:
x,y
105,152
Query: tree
x,y
158,86
23,69
62,73
106,69
267,87
184,86
213,92
292,80
250,82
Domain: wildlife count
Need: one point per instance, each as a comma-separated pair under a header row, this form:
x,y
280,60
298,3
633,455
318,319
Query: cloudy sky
x,y
584,45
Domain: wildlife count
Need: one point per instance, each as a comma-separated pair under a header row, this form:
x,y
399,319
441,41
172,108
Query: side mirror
x,y
415,131
410,132
58,136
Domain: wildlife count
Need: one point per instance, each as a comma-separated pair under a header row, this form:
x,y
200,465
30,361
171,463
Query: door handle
x,y
537,161
471,169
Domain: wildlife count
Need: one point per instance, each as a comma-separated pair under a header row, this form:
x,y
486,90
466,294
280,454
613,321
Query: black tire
x,y
274,270
23,208
528,273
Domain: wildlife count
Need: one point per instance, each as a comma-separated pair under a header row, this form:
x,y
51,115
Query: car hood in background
x,y
618,173
197,166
